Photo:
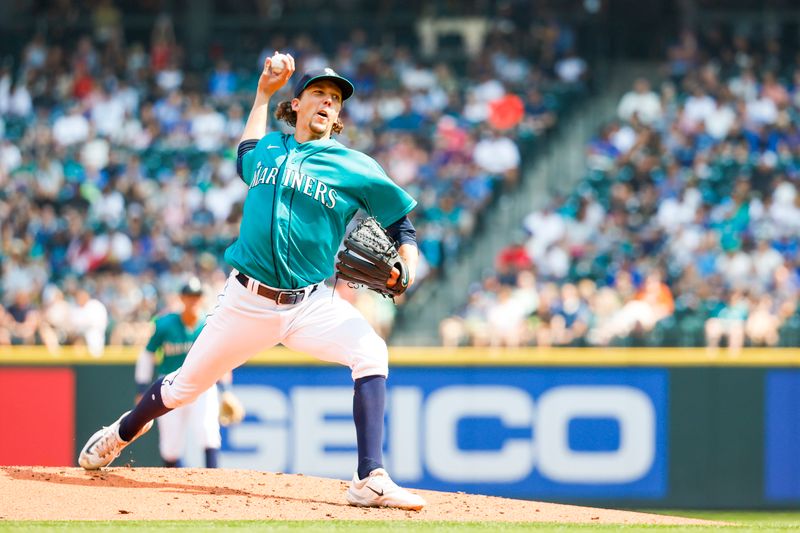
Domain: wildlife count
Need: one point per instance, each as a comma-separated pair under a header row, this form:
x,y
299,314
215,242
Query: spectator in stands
x,y
729,323
71,128
763,323
721,120
88,322
470,326
571,68
543,332
603,307
638,316
641,102
497,155
56,316
744,86
760,112
570,322
107,112
223,82
505,319
539,117
697,108
682,55
773,90
22,319
21,273
766,260
207,128
735,265
20,101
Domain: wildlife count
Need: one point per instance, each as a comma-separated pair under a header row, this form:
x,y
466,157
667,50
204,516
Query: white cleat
x,y
106,445
378,490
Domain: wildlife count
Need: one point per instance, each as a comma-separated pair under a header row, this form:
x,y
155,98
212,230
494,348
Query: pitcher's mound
x,y
47,493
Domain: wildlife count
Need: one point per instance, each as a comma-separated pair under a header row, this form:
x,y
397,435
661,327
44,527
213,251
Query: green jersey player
x,y
303,189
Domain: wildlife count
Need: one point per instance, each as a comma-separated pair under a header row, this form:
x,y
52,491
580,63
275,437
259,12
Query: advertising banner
x,y
782,436
595,429
524,432
37,417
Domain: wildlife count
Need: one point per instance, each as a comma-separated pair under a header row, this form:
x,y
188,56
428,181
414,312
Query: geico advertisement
x,y
507,431
782,436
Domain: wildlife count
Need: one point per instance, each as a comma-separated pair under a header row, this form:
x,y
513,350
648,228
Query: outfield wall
x,y
622,427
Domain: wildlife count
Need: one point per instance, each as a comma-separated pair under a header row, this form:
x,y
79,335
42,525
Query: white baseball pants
x,y
200,420
244,323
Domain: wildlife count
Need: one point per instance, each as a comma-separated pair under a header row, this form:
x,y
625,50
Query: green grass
x,y
745,522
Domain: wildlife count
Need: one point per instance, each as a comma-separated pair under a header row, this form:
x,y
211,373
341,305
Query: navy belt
x,y
287,297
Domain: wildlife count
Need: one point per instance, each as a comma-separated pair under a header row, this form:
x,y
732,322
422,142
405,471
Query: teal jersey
x,y
301,197
171,341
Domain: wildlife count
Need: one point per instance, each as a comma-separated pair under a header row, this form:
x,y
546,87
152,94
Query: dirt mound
x,y
39,493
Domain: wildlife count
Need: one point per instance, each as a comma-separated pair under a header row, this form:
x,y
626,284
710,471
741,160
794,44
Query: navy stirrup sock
x,y
212,457
369,401
149,408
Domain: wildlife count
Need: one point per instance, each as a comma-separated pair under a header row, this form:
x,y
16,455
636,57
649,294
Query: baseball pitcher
x,y
303,189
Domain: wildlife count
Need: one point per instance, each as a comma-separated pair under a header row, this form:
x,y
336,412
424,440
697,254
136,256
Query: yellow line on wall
x,y
437,356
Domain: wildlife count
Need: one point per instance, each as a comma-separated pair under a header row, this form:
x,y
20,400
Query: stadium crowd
x,y
684,230
117,162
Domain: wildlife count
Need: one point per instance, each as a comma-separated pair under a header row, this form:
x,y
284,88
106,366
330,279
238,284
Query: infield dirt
x,y
55,493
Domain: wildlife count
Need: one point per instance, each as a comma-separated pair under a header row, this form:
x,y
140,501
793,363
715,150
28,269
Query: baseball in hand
x,y
277,63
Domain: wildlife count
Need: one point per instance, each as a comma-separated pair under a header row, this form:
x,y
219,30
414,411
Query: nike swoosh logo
x,y
375,491
271,146
89,448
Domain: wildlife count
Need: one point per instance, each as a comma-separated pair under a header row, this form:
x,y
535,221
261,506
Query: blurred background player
x,y
174,334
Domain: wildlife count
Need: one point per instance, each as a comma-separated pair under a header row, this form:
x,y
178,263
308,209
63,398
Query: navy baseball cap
x,y
193,287
324,74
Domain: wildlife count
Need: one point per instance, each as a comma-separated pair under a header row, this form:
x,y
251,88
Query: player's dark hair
x,y
285,112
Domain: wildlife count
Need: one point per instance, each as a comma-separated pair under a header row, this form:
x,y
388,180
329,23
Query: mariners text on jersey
x,y
176,348
308,185
301,197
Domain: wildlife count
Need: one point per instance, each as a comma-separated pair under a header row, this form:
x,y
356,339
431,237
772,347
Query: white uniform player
x,y
173,337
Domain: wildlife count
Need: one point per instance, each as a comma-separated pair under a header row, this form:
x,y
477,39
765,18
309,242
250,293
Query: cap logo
x,y
330,72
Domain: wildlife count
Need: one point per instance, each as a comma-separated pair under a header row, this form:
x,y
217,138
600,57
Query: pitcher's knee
x,y
371,359
176,392
174,397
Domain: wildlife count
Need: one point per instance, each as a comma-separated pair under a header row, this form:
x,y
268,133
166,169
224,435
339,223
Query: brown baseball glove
x,y
369,257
